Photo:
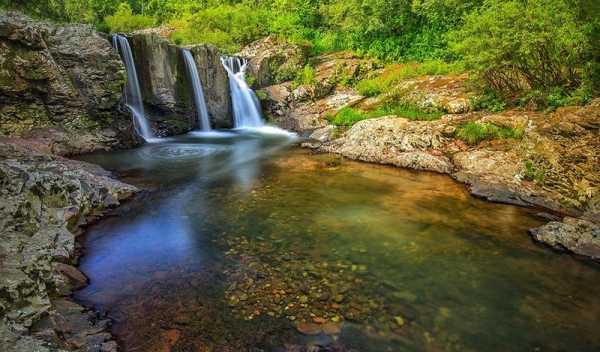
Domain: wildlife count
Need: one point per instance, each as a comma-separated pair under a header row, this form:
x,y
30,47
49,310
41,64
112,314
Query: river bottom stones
x,y
316,296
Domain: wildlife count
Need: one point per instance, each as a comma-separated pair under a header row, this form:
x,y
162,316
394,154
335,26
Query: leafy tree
x,y
519,45
123,20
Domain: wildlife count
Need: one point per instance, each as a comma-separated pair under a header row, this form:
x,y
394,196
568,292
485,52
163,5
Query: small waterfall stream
x,y
201,110
246,108
133,94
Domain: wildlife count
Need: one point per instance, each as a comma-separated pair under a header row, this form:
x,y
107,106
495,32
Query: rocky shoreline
x,y
46,203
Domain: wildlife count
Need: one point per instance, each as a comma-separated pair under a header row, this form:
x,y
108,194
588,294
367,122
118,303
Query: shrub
x,y
516,45
306,76
125,21
487,101
473,132
228,27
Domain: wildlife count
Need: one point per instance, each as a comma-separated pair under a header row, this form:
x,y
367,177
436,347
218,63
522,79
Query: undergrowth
x,y
474,132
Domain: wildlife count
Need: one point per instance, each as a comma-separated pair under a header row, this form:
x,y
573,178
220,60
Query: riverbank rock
x,y
304,108
167,90
44,202
272,61
396,141
64,78
578,236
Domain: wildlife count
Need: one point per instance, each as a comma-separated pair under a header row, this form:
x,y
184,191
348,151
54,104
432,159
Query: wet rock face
x,y
44,200
166,89
64,77
578,236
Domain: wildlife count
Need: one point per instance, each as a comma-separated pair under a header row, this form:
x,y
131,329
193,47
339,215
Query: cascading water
x,y
133,94
201,111
246,108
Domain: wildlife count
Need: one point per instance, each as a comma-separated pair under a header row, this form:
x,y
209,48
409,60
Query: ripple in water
x,y
178,151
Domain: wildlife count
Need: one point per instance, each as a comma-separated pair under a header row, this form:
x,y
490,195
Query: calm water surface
x,y
242,243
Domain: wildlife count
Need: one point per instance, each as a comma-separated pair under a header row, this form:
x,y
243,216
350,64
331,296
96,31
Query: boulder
x,y
272,61
578,236
396,141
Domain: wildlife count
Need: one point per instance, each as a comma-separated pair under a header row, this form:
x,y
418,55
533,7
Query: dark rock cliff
x,y
166,88
61,84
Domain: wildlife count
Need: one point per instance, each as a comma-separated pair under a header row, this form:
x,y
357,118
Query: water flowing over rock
x,y
61,82
201,111
45,200
165,84
133,94
246,107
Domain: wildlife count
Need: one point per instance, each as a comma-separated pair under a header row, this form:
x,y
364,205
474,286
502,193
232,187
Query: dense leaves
x,y
548,50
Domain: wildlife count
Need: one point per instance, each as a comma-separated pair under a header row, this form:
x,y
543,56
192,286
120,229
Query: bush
x,y
306,76
125,21
228,27
518,45
473,132
487,101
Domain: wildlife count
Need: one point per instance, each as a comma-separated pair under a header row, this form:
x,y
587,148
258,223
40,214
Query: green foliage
x,y
473,132
555,97
534,173
229,27
262,95
546,52
392,74
369,87
518,45
306,76
407,111
125,21
348,117
487,101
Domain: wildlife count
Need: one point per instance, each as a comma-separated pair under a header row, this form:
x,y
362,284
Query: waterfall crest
x,y
201,110
246,108
133,94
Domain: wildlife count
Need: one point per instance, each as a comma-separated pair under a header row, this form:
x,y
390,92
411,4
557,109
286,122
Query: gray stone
x,y
578,236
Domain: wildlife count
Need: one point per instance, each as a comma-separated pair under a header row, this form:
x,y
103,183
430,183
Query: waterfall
x,y
133,94
201,111
246,108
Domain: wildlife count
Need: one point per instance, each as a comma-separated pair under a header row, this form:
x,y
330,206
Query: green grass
x,y
394,73
350,116
408,111
473,133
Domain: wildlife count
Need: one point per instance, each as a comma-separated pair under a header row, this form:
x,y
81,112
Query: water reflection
x,y
243,216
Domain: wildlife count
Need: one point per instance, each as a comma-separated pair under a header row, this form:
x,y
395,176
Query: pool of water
x,y
244,243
